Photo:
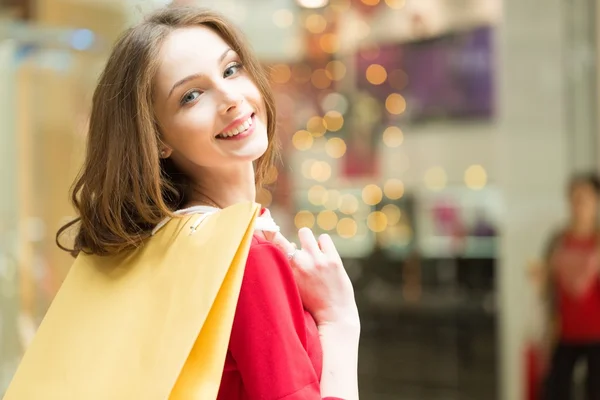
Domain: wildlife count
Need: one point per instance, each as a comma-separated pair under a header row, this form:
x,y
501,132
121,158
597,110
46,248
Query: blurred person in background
x,y
183,116
573,289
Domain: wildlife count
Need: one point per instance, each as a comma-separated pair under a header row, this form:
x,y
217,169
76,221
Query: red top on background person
x,y
576,266
184,116
574,292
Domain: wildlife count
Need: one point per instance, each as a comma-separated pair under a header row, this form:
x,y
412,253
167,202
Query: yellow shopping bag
x,y
153,323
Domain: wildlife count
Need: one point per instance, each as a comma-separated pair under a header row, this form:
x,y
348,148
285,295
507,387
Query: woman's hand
x,y
324,285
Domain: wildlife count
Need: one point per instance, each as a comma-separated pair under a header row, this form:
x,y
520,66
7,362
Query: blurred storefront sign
x,y
417,20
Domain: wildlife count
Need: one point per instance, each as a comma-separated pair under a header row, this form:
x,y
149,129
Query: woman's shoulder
x,y
263,257
261,245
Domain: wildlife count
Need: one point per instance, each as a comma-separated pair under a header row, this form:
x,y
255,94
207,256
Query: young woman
x,y
574,293
183,116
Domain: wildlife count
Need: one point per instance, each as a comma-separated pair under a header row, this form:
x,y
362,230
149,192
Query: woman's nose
x,y
231,101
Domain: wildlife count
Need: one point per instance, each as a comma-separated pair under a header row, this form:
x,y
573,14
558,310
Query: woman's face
x,y
210,112
584,202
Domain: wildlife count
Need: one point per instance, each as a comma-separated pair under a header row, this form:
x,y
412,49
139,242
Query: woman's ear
x,y
165,152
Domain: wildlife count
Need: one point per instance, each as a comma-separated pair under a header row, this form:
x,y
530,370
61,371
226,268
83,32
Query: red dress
x,y
274,351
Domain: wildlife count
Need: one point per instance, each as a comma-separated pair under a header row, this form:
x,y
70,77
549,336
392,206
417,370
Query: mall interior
x,y
432,139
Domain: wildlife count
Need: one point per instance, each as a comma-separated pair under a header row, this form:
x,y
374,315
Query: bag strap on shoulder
x,y
263,223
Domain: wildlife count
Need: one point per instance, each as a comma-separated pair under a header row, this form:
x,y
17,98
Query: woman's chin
x,y
251,152
257,147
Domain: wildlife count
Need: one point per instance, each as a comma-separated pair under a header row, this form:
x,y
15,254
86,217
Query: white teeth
x,y
237,130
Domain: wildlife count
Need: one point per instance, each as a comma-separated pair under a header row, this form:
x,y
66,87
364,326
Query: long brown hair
x,y
124,188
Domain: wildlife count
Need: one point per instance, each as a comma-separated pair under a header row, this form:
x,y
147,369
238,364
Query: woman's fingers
x,y
298,258
285,245
309,243
312,254
324,286
328,248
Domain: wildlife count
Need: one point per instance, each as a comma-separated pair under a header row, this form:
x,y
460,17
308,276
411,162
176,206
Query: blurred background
x,y
432,139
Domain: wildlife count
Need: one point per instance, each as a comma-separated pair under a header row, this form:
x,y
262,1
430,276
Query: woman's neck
x,y
222,189
583,229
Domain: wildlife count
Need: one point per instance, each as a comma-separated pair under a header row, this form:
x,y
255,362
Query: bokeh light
x,y
82,39
393,189
370,2
317,195
475,177
264,197
348,204
315,23
306,167
395,4
347,228
372,195
302,140
336,70
281,73
436,178
376,74
395,104
333,121
327,220
377,221
304,219
316,126
335,102
335,147
319,79
320,171
393,136
392,213
330,43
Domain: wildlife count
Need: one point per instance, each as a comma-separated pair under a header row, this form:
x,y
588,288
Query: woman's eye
x,y
190,96
232,69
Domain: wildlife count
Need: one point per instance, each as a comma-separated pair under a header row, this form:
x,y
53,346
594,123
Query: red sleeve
x,y
268,336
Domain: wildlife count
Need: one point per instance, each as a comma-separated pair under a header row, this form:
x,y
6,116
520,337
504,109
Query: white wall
x,y
533,163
